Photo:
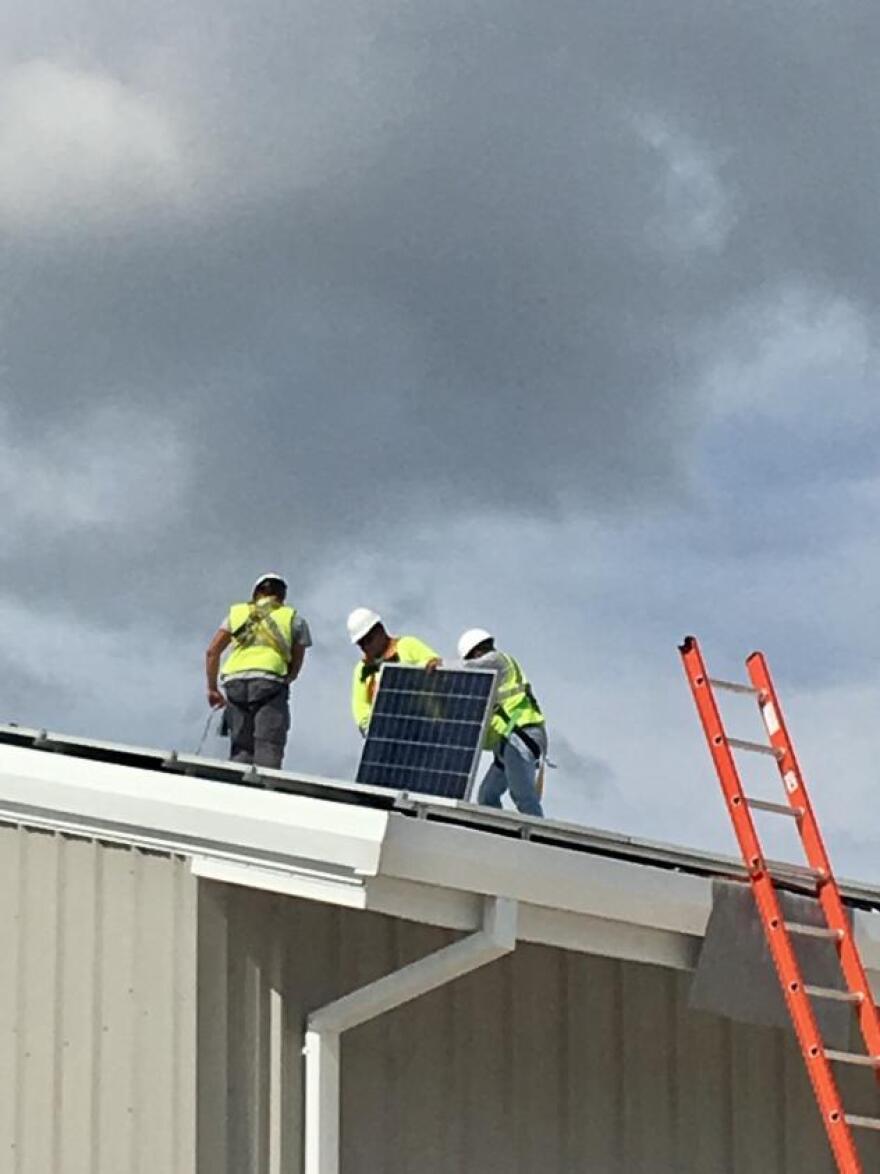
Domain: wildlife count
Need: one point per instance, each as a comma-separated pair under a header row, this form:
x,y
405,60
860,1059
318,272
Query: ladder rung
x,y
862,1122
814,931
776,808
853,1058
794,873
755,747
733,687
830,992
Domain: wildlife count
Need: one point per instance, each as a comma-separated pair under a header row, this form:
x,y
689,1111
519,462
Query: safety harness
x,y
261,622
370,668
523,688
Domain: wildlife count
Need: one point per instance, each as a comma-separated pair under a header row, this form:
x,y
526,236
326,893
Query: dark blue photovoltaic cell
x,y
426,730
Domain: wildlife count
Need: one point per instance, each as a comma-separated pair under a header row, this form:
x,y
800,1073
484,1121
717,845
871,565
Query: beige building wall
x,y
97,1008
546,1062
152,1023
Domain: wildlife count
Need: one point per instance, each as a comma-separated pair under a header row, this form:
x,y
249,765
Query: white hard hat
x,y
269,575
469,640
361,620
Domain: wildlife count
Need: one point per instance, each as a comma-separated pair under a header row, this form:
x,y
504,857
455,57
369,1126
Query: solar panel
x,y
426,730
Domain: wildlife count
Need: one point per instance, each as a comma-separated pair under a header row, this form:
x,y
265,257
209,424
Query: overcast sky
x,y
556,318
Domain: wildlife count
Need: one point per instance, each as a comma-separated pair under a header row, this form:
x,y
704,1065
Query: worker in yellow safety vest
x,y
517,734
365,628
268,643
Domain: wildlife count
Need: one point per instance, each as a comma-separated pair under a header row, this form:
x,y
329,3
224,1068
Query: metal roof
x,y
556,833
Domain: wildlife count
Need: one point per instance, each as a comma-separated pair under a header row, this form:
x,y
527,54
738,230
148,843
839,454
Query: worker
x,y
517,734
269,642
365,628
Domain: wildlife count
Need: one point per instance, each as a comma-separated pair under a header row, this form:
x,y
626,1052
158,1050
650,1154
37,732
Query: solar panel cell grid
x,y
427,730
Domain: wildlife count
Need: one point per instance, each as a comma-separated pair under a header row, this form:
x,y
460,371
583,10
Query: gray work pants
x,y
258,718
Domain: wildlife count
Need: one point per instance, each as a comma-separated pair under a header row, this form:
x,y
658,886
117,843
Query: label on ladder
x,y
771,721
791,782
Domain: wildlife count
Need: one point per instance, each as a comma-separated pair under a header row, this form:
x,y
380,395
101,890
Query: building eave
x,y
329,841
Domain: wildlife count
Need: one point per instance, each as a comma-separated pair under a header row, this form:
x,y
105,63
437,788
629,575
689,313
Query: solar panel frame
x,y
405,776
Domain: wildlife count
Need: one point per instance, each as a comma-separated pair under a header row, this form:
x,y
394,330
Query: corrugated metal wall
x,y
97,1008
546,1062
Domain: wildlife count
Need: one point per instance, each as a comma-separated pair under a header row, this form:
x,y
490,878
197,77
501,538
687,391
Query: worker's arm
x,y
493,661
300,640
294,666
219,643
411,650
360,700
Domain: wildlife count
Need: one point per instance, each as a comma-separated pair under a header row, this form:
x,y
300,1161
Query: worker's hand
x,y
216,700
436,663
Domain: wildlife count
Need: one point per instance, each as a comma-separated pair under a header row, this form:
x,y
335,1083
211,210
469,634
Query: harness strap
x,y
276,639
370,668
260,621
522,686
518,732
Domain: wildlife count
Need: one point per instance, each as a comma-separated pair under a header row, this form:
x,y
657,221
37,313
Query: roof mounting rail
x,y
44,742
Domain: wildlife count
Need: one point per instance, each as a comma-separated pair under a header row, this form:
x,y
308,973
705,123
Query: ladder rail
x,y
814,847
819,1069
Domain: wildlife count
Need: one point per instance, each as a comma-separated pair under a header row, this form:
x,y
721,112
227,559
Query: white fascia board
x,y
429,904
188,814
608,938
536,874
438,873
581,932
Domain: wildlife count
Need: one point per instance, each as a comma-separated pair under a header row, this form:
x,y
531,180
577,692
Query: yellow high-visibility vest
x,y
403,650
515,705
262,638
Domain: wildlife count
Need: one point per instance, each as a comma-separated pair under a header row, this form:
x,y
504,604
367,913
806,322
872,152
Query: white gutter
x,y
326,1025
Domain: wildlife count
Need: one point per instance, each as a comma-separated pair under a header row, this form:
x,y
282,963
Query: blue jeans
x,y
515,769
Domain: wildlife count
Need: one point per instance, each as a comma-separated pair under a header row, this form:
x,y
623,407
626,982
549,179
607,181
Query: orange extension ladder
x,y
798,995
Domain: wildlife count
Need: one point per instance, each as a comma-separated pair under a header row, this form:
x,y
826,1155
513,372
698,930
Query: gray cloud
x,y
487,281
438,309
577,783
